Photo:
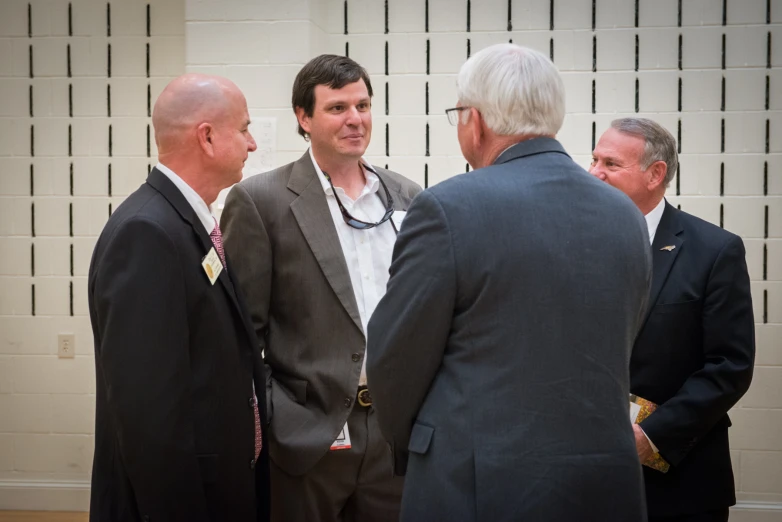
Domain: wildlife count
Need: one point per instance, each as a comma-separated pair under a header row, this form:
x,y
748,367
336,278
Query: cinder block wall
x,y
709,70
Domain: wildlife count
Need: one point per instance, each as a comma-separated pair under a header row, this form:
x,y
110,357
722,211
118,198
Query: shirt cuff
x,y
654,448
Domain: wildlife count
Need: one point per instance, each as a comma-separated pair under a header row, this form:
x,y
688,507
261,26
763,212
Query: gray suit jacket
x,y
499,355
288,261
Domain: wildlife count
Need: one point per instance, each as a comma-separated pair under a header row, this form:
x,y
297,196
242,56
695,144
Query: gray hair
x,y
516,89
660,145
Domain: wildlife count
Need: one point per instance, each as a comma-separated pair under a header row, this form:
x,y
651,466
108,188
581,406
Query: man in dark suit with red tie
x,y
695,352
180,433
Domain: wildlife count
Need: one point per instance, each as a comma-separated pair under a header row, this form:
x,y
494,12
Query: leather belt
x,y
363,397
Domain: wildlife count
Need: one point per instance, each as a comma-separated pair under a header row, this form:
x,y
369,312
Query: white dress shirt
x,y
367,252
652,222
192,197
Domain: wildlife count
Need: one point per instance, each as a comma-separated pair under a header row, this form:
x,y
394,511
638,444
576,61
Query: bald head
x,y
188,101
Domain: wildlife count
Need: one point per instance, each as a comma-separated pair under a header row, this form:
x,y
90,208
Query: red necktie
x,y
217,239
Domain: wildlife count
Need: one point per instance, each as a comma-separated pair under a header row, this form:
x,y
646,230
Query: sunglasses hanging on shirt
x,y
357,223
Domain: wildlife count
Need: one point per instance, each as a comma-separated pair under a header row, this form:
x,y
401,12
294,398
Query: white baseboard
x,y
39,495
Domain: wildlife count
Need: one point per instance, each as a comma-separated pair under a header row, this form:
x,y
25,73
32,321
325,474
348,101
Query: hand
x,y
642,445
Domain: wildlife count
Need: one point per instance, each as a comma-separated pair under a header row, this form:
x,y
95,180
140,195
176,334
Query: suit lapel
x,y
665,248
162,184
314,218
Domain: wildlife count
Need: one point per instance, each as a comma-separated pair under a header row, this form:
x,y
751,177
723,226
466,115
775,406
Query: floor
x,y
42,516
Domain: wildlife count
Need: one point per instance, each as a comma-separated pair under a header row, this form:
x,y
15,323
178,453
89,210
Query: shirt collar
x,y
197,202
372,181
653,219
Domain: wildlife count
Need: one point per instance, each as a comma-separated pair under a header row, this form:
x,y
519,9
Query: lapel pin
x,y
668,248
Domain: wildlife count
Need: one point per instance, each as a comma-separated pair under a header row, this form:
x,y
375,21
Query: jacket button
x,y
252,463
348,402
356,357
251,402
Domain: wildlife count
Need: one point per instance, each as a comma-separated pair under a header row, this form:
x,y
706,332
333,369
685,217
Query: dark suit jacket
x,y
694,357
288,260
499,356
174,427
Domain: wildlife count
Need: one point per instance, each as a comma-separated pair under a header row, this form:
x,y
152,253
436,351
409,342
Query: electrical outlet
x,y
66,345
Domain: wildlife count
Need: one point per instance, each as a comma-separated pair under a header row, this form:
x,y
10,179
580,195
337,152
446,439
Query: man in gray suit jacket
x,y
311,244
499,355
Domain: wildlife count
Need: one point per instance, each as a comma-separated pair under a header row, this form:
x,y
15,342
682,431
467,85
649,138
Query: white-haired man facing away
x,y
499,355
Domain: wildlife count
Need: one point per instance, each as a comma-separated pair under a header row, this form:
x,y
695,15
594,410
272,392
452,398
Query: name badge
x,y
342,441
212,265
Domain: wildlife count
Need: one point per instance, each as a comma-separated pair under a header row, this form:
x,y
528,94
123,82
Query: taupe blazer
x,y
288,261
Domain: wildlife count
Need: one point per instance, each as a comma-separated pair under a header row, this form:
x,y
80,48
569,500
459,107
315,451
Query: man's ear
x,y
656,172
477,128
304,120
205,134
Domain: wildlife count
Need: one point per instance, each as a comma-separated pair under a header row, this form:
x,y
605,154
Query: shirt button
x,y
348,402
356,357
252,463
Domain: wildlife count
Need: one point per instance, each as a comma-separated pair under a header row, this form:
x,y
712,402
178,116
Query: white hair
x,y
516,89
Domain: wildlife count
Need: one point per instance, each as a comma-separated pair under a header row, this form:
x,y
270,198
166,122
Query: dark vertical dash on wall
x,y
388,139
70,100
347,50
29,20
147,59
594,14
109,209
680,94
30,99
765,305
70,19
346,16
678,179
765,224
70,219
768,135
386,66
637,94
722,98
722,179
110,181
149,21
388,102
594,53
110,142
722,215
428,55
765,178
551,49
427,140
468,48
31,61
427,99
108,19
724,12
32,219
768,51
467,167
594,135
385,13
32,180
681,38
108,100
551,16
426,175
637,46
468,15
68,60
722,136
32,140
594,96
426,16
108,62
768,92
768,11
724,44
70,175
510,15
636,13
70,140
32,299
149,141
70,289
32,259
679,137
149,100
765,261
679,17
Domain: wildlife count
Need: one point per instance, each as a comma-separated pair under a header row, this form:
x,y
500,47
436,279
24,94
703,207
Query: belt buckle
x,y
364,398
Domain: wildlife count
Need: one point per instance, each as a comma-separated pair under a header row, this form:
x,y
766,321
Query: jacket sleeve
x,y
247,245
408,331
144,359
728,359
